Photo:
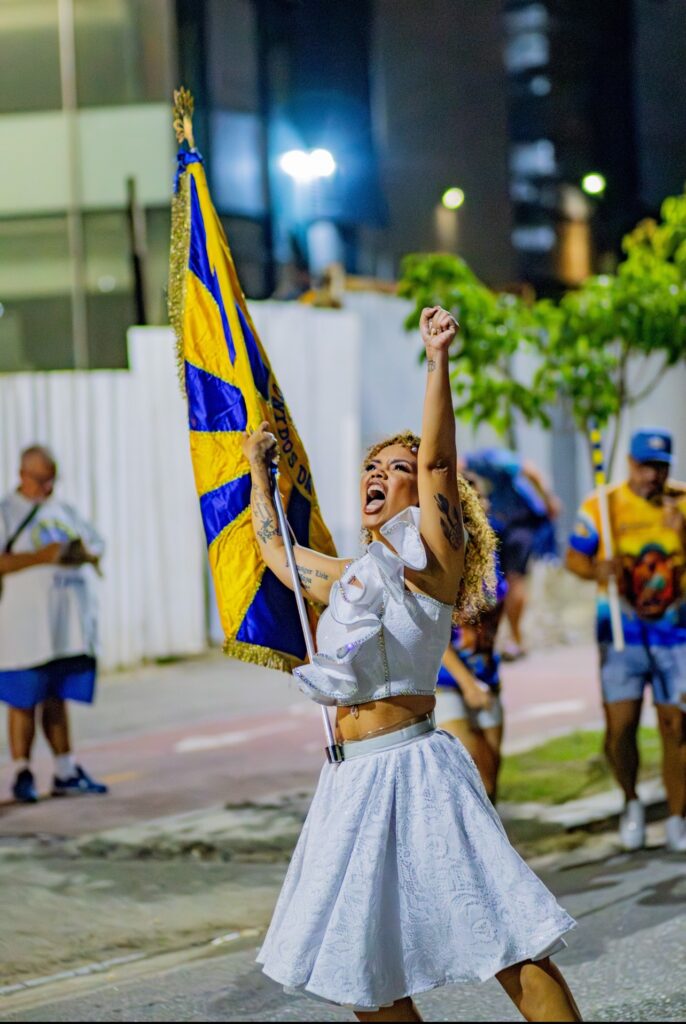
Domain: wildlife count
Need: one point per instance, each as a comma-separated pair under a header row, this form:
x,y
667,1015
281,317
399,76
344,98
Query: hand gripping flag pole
x,y
334,751
600,482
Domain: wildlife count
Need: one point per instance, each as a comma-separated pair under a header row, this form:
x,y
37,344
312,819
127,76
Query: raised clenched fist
x,y
438,328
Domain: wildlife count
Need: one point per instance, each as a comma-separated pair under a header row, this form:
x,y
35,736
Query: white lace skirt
x,y
403,879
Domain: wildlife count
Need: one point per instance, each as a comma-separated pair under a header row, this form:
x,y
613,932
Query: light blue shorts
x,y
624,675
450,704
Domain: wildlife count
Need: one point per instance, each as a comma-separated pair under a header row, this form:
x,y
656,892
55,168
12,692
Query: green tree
x,y
494,328
599,350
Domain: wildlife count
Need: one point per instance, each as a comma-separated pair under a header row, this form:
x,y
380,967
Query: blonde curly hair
x,y
476,593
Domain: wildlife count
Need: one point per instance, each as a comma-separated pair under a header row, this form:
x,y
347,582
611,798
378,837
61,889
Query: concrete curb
x,y
266,832
592,812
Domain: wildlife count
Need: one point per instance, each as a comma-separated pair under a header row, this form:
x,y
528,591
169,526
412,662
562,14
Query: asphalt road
x,y
178,737
624,962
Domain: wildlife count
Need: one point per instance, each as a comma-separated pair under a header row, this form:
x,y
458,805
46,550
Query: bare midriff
x,y
379,716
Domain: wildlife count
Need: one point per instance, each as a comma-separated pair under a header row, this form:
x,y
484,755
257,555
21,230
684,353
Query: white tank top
x,y
378,639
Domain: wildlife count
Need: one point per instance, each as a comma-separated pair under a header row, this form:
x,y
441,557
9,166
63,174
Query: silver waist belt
x,y
358,748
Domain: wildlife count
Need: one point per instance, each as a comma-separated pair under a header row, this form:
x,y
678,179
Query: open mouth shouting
x,y
376,498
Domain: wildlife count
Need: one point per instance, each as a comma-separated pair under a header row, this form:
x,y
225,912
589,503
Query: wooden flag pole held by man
x,y
600,482
231,388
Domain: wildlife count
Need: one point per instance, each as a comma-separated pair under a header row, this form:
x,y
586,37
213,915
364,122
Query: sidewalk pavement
x,y
266,831
207,731
176,739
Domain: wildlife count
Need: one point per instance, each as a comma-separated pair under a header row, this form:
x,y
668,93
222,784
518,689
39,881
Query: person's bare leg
x,y
478,749
493,738
21,726
402,1009
621,746
515,603
539,991
56,725
672,723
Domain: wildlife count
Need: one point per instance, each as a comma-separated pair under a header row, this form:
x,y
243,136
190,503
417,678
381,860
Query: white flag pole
x,y
606,537
334,751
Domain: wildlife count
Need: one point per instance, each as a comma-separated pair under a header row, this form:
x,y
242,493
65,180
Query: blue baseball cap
x,y
651,444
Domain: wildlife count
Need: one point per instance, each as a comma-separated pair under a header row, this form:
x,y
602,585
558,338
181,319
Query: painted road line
x,y
114,778
77,972
231,739
104,966
548,709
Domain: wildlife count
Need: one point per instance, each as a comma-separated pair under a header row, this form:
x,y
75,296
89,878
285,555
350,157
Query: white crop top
x,y
379,639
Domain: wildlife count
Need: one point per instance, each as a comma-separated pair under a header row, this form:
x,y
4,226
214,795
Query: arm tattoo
x,y
306,574
451,522
431,365
305,577
264,516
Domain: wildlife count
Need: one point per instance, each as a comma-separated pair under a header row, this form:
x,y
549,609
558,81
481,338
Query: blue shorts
x,y
64,678
624,675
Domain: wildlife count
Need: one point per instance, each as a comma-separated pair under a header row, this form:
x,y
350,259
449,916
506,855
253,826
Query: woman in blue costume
x,y
468,701
403,878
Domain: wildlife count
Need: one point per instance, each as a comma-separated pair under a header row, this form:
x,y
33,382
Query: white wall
x,y
350,377
121,442
317,357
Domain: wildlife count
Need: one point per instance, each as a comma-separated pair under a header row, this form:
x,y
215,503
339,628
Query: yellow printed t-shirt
x,y
653,582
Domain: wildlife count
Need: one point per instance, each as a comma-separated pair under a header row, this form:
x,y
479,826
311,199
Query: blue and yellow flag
x,y
230,388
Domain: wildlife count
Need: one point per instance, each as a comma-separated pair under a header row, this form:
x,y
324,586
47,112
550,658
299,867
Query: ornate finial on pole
x,y
183,116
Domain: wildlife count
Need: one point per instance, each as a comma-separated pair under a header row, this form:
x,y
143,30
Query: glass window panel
x,y
236,172
109,287
158,223
123,51
35,293
527,50
30,56
246,238
109,318
231,58
45,325
107,252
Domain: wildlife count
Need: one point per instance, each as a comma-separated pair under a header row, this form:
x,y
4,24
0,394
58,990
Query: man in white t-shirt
x,y
48,622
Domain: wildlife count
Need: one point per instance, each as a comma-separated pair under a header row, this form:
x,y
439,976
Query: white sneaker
x,y
632,826
675,833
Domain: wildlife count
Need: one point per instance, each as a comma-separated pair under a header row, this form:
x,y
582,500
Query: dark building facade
x,y
593,88
511,101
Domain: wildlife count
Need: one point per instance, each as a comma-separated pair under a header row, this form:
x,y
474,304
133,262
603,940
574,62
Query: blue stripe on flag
x,y
213,403
260,372
272,619
199,263
222,505
299,511
185,157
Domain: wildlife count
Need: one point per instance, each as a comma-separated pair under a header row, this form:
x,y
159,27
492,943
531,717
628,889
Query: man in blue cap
x,y
648,524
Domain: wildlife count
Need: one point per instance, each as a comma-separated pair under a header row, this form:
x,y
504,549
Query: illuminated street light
x,y
305,167
593,184
322,163
296,164
453,198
